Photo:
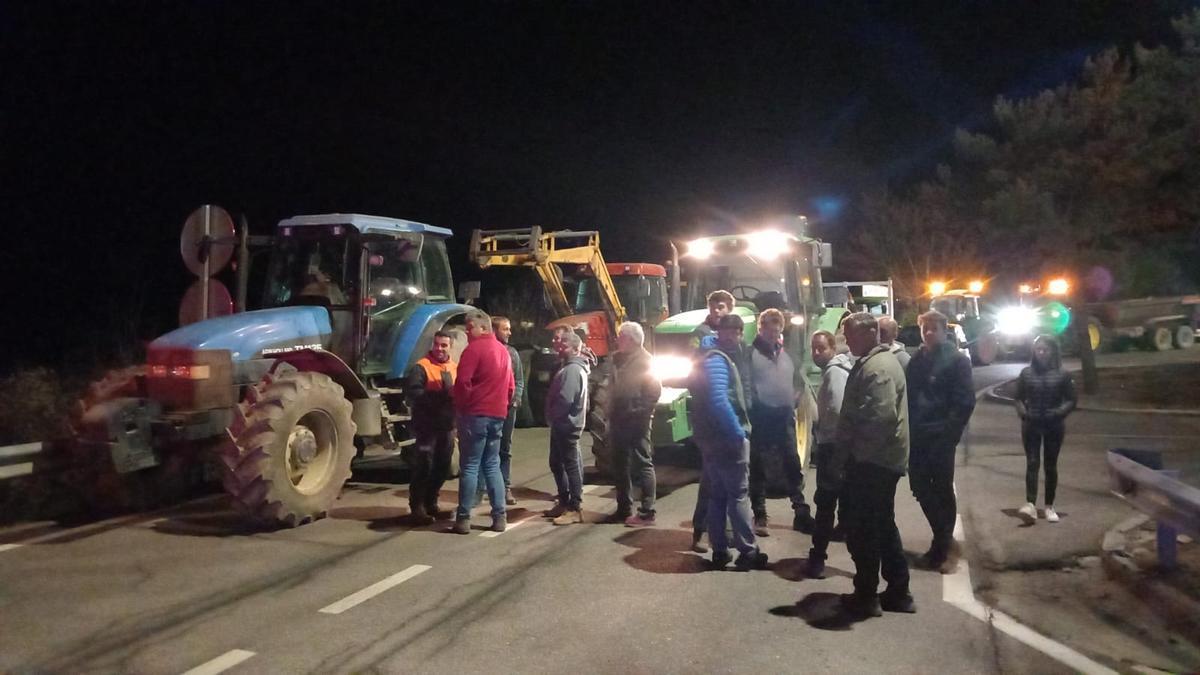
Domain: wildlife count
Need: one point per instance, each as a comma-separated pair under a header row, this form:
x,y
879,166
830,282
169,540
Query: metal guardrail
x,y
1135,477
17,460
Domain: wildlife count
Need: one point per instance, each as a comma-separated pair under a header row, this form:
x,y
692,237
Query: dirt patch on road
x,y
1173,386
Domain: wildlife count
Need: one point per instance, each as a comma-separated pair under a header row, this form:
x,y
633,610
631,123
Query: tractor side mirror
x,y
468,291
825,255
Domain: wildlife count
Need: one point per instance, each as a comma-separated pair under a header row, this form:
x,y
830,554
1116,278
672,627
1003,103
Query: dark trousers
x,y
430,464
726,474
566,464
826,501
633,465
506,433
931,476
774,435
869,514
1042,438
700,513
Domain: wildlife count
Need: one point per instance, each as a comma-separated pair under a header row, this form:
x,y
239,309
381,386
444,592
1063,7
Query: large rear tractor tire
x,y
597,420
1159,338
293,441
1185,336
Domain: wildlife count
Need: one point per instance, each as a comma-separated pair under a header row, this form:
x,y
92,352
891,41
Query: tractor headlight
x,y
1016,320
666,368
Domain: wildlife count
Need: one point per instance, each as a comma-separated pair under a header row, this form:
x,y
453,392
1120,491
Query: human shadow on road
x,y
819,610
661,551
792,569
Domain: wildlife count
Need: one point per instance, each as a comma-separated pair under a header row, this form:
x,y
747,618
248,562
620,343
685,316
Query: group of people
x,y
880,414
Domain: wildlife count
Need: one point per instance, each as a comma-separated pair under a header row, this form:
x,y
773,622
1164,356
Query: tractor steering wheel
x,y
746,295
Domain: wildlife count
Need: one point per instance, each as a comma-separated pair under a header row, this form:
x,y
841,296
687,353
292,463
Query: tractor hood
x,y
248,334
689,321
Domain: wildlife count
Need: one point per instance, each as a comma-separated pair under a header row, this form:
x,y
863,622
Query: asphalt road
x,y
361,591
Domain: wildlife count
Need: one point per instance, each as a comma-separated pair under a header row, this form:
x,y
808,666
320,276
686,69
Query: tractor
x,y
278,402
768,269
963,307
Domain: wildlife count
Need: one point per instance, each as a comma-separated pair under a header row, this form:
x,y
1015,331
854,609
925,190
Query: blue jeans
x,y
727,479
479,449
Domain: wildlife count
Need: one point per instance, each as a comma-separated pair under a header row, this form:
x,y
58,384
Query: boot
x,y
418,515
698,542
760,526
859,607
803,522
751,560
499,523
462,526
569,517
509,499
814,567
555,511
720,559
897,602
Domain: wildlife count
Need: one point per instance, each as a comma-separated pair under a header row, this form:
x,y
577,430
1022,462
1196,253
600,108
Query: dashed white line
x,y
9,547
222,663
511,526
374,590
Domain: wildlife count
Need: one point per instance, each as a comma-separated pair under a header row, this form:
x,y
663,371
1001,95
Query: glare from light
x,y
386,292
766,245
1058,287
937,288
975,286
1016,320
797,320
670,368
701,249
413,290
1025,289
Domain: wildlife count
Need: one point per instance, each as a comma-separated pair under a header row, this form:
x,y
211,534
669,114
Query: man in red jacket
x,y
482,392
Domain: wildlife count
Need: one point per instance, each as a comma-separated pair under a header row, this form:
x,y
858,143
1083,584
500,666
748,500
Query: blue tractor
x,y
277,403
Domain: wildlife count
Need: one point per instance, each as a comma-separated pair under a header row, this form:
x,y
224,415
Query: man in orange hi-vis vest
x,y
429,389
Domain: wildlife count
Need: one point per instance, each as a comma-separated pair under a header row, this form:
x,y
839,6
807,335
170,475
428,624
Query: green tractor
x,y
767,269
964,307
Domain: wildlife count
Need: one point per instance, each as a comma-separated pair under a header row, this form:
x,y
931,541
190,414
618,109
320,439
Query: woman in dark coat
x,y
1045,396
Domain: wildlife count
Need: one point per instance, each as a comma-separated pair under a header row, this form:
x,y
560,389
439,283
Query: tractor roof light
x,y
766,244
700,249
1025,289
1058,286
937,288
975,286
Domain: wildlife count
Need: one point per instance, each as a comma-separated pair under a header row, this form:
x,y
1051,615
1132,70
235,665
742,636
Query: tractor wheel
x,y
1185,336
985,349
293,441
597,420
1159,338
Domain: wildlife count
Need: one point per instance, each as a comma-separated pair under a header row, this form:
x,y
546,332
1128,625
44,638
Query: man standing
x,y
888,330
482,394
835,369
504,334
720,303
566,412
633,396
940,401
721,433
872,445
774,397
428,387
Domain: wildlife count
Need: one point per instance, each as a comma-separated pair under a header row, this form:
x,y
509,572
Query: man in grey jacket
x,y
566,412
503,328
889,330
872,445
632,398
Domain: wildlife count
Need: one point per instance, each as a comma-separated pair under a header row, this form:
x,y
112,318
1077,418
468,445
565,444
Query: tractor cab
x,y
370,274
642,288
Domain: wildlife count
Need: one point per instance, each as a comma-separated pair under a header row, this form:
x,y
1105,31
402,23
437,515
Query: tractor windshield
x,y
784,283
310,264
644,297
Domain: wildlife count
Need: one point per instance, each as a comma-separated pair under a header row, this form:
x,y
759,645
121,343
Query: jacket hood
x,y
846,359
1055,360
581,361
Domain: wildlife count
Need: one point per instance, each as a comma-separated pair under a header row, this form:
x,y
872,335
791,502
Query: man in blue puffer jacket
x,y
722,431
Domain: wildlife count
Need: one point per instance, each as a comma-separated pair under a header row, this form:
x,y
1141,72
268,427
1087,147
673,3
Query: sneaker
x,y
461,526
760,526
720,559
509,499
1028,513
814,567
751,560
698,545
860,607
897,602
499,523
803,522
569,517
419,516
555,511
1051,515
639,520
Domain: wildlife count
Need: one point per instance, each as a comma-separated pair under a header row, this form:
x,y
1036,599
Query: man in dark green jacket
x,y
872,445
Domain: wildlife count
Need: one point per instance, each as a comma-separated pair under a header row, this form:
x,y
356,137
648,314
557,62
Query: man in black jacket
x,y
634,394
941,398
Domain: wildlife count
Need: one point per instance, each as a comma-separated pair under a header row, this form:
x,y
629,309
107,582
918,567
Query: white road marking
x,y
14,470
222,663
9,547
511,526
374,590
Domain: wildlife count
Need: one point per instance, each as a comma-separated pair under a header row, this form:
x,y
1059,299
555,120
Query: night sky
x,y
645,120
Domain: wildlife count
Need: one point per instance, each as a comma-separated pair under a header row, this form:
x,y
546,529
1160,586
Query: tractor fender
x,y
328,363
416,334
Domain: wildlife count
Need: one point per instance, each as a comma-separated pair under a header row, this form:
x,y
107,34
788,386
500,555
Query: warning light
x,y
975,286
1058,287
937,288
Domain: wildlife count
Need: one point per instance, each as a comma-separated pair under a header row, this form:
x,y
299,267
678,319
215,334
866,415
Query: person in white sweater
x,y
836,369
